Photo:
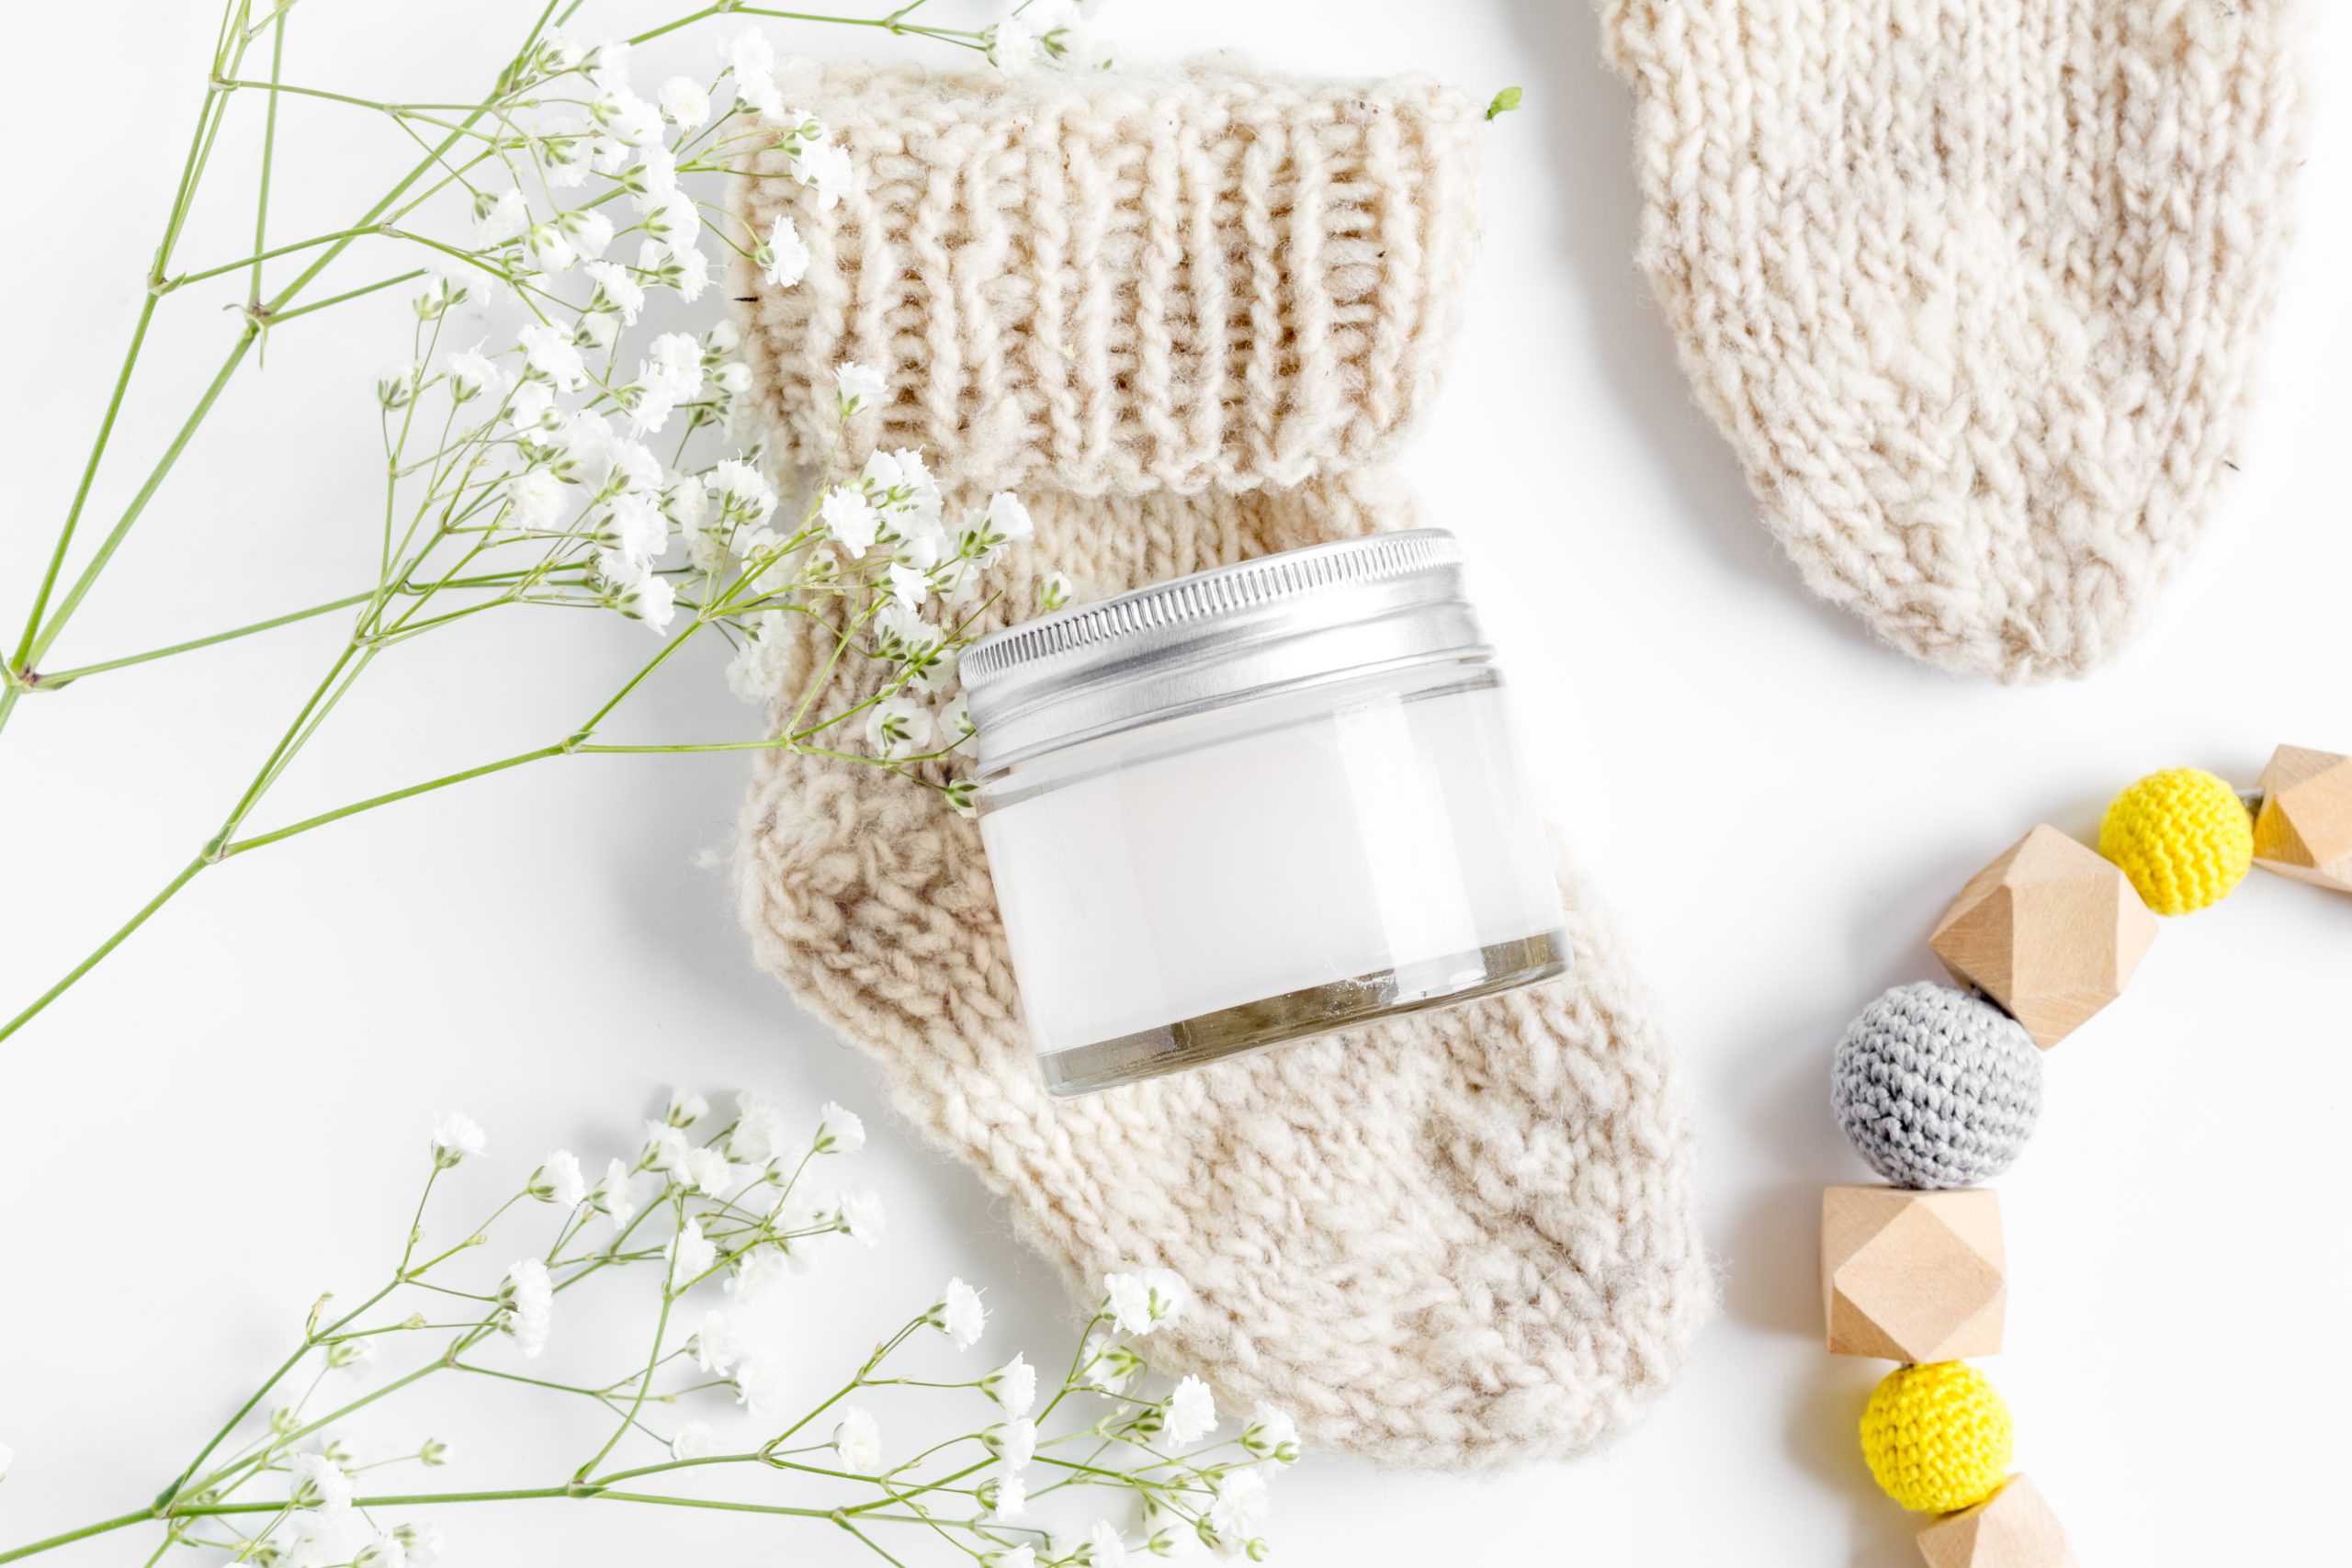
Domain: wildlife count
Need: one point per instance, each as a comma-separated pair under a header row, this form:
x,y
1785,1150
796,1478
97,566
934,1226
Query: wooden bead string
x,y
2050,933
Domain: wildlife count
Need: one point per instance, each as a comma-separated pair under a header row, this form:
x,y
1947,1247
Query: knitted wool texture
x,y
2182,835
1938,1437
1971,287
1188,317
1936,1088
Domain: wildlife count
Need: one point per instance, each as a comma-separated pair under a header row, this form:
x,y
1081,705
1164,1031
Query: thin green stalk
x,y
242,845
268,153
56,623
137,1517
49,682
97,955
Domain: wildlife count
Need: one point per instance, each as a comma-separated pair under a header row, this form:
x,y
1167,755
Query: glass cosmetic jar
x,y
1255,805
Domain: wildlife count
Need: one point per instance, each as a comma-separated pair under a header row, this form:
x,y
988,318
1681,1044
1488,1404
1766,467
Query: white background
x,y
228,1118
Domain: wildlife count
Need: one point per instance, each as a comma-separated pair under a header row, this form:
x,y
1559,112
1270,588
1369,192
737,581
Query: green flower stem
x,y
50,682
137,1517
268,152
40,643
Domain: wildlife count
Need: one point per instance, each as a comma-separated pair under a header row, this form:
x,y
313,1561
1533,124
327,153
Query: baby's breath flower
x,y
1140,1302
551,249
683,102
761,1387
715,1347
588,230
850,518
756,1274
1106,1548
1013,1385
638,592
345,1354
560,1180
423,1543
537,500
759,1132
1191,1412
897,727
859,1216
549,351
839,1130
528,1298
693,1441
499,219
433,1454
615,1196
1053,592
783,256
707,1171
455,1135
630,120
750,58
314,1481
958,1315
617,287
383,1550
957,727
744,492
1272,1434
691,1256
825,169
665,1147
1022,1556
858,387
858,1441
1015,42
652,180
687,1107
472,373
1003,1496
1014,1442
1238,1507
1109,1365
910,586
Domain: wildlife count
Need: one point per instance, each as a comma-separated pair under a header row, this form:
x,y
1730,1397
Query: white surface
x,y
225,1120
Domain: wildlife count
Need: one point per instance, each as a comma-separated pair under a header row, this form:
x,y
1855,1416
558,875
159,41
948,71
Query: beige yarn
x,y
1188,317
1973,288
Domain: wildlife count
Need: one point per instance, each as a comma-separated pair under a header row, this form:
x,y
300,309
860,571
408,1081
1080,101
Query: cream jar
x,y
1256,805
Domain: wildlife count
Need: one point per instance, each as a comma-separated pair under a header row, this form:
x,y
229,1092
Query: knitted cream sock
x,y
1187,317
1973,288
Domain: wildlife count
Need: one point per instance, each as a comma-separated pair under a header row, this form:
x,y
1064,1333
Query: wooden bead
x,y
1912,1276
2049,930
2012,1528
2304,828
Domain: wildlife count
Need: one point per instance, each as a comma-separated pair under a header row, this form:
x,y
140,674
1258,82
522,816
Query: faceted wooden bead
x,y
2012,1528
2304,828
1913,1276
2050,930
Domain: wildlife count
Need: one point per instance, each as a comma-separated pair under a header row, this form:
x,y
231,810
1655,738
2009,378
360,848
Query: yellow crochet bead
x,y
1938,1437
2182,835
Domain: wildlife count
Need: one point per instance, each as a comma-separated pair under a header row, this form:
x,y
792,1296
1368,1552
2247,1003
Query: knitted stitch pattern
x,y
1938,1437
1936,1088
1973,289
1187,315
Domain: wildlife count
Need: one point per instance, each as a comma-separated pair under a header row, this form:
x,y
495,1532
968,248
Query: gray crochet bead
x,y
1935,1087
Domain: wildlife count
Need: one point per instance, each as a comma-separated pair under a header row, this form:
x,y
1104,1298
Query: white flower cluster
x,y
710,1196
1032,33
550,440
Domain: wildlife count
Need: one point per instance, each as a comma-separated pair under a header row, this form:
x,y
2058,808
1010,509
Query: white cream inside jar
x,y
1256,804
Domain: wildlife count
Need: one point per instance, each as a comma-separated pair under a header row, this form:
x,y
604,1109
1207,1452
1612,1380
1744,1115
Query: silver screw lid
x,y
1277,624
